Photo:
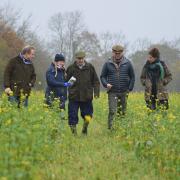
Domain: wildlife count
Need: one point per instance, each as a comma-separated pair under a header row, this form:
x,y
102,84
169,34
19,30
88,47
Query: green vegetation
x,y
36,144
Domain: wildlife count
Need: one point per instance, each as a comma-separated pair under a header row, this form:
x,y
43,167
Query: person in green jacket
x,y
19,76
80,93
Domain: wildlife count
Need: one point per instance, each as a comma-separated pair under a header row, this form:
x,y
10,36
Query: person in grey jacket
x,y
118,77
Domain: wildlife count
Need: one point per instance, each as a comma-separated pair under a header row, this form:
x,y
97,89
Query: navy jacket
x,y
55,85
121,77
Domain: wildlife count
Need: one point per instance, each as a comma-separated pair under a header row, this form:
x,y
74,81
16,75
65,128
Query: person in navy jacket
x,y
56,83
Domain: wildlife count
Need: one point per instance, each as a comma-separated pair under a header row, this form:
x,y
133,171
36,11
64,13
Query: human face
x,y
30,56
151,59
60,64
117,55
80,61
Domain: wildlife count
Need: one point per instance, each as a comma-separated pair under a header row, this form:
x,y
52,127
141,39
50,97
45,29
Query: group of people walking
x,y
79,83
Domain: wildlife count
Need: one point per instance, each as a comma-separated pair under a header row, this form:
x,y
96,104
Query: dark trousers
x,y
117,105
154,103
86,108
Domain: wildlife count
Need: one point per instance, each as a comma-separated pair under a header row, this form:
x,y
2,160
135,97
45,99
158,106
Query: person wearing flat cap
x,y
118,78
56,83
81,92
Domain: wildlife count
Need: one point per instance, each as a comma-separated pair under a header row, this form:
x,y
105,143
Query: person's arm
x,y
51,81
103,76
33,78
68,73
143,76
95,82
167,74
132,77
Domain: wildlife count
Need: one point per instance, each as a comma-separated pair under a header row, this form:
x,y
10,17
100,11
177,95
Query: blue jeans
x,y
18,100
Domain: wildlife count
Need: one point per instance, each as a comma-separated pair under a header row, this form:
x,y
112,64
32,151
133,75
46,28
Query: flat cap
x,y
118,48
80,54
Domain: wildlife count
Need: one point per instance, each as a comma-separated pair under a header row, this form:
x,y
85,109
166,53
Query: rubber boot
x,y
85,127
73,130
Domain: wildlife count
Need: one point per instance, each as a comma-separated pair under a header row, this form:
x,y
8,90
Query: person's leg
x,y
151,104
25,101
62,108
14,100
49,98
163,104
148,104
86,113
73,107
112,101
122,103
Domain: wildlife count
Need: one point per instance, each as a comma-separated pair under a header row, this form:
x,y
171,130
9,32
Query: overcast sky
x,y
152,19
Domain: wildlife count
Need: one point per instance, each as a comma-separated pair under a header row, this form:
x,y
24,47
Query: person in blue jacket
x,y
56,83
118,77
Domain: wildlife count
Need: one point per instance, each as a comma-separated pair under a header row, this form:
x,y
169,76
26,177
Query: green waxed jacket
x,y
87,83
18,76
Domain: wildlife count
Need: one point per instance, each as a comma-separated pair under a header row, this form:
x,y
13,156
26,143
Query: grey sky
x,y
152,19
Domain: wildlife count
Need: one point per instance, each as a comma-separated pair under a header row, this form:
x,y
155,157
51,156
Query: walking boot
x,y
84,129
73,130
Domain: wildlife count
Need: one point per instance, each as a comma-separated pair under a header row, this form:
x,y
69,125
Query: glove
x,y
67,84
8,91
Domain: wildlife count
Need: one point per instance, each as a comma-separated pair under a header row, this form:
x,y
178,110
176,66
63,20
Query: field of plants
x,y
36,144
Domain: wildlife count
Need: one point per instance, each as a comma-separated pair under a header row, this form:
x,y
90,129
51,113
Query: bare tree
x,y
89,42
141,44
107,40
9,15
65,29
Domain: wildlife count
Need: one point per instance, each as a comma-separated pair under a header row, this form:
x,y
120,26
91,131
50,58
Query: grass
x,y
36,144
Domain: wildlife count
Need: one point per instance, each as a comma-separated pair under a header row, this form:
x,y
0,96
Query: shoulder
x,y
108,62
13,62
51,68
128,61
163,64
71,66
15,59
89,65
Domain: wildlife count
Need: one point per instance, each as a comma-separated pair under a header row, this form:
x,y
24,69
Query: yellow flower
x,y
163,128
171,117
8,122
158,117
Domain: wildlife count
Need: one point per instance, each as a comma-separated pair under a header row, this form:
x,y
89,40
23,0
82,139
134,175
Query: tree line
x,y
68,34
